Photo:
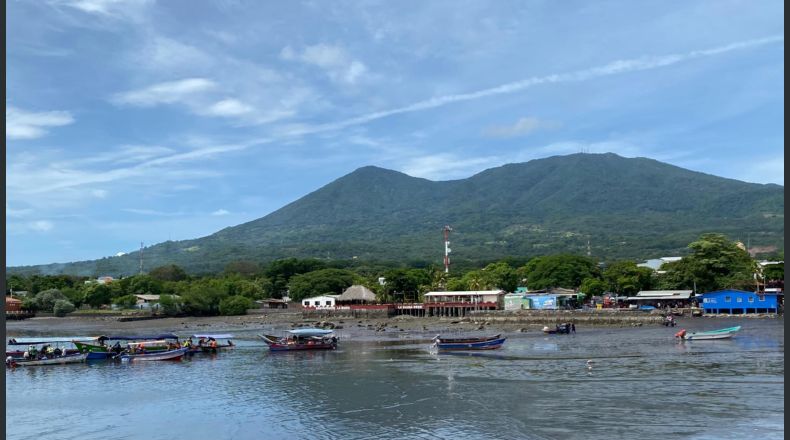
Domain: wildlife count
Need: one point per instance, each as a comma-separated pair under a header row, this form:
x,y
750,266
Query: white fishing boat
x,y
57,360
723,333
171,355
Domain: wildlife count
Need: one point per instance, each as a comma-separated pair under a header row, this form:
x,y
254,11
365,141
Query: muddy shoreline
x,y
248,326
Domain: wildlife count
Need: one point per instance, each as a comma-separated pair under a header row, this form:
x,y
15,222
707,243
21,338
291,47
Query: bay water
x,y
641,383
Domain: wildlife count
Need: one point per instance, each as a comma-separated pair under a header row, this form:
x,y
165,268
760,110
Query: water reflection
x,y
641,385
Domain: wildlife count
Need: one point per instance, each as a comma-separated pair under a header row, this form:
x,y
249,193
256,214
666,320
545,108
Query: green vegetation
x,y
62,307
235,305
125,302
714,263
626,208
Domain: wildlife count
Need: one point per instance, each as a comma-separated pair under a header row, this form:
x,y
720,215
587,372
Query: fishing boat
x,y
482,343
723,333
209,344
57,360
302,339
99,348
63,346
170,355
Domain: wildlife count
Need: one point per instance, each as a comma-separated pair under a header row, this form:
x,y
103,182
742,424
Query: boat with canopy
x,y
100,348
302,339
46,360
40,344
723,333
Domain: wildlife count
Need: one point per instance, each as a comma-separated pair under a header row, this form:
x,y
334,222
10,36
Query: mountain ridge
x,y
628,207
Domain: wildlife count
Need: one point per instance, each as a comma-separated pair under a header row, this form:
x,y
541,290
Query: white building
x,y
320,302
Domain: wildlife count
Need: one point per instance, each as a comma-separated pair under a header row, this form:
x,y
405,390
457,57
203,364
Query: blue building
x,y
739,302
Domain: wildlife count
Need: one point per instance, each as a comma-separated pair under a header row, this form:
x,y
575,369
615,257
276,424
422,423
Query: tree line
x,y
713,262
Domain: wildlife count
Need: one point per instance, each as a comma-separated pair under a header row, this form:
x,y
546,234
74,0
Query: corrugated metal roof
x,y
661,294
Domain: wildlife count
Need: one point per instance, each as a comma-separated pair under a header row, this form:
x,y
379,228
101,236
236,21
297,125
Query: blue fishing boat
x,y
482,343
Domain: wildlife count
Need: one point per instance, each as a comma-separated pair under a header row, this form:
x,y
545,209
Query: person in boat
x,y
212,343
58,351
11,341
573,327
201,342
117,347
230,343
188,343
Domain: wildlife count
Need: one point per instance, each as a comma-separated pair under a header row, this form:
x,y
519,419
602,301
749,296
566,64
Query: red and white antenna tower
x,y
447,230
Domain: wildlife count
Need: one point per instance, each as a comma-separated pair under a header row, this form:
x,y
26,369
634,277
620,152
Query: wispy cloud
x,y
106,9
152,212
522,127
220,212
447,166
614,68
41,225
21,124
229,107
335,61
172,92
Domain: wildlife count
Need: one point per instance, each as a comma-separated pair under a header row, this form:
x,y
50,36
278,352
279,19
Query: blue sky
x,y
135,121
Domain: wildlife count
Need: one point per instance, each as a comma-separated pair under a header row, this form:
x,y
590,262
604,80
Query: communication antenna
x,y
141,258
447,230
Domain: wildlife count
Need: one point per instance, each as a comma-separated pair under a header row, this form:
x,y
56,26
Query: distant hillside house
x,y
146,301
273,303
320,302
740,302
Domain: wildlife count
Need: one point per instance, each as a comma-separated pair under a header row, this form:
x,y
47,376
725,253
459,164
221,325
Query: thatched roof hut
x,y
357,294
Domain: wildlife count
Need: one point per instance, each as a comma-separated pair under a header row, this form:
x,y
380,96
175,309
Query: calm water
x,y
643,384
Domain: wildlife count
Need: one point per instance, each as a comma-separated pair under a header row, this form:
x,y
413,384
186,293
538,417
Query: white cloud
x,y
446,166
522,127
172,92
152,212
766,169
220,212
334,60
99,193
229,107
106,8
22,124
41,225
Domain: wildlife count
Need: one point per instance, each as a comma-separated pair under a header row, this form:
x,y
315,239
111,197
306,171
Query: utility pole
x,y
447,230
141,258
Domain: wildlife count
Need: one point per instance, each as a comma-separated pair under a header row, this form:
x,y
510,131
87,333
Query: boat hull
x,y
492,344
172,355
69,359
693,337
277,344
484,343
